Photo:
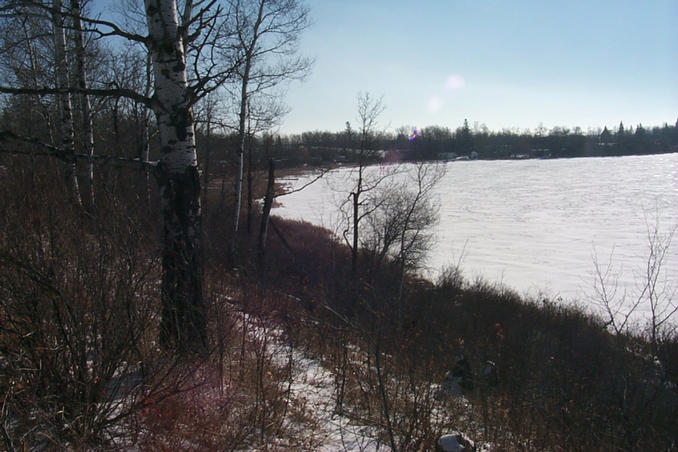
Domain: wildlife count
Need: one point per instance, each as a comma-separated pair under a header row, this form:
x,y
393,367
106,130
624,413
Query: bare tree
x,y
208,114
399,227
263,113
28,59
62,76
85,104
188,52
654,292
268,31
355,208
182,295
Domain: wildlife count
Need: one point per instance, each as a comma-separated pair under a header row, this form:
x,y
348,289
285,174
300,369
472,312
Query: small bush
x,y
78,303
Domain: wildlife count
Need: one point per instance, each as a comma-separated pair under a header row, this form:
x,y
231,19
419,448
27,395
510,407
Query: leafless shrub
x,y
78,315
241,395
77,308
653,294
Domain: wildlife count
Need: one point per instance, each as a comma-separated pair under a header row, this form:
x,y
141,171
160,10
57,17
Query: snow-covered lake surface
x,y
535,225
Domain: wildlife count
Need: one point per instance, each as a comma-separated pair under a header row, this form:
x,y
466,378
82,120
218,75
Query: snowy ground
x,y
312,387
311,394
312,397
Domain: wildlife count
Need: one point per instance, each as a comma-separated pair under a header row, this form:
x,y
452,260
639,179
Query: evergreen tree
x,y
465,138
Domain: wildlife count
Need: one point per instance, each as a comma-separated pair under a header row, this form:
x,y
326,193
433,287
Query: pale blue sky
x,y
511,63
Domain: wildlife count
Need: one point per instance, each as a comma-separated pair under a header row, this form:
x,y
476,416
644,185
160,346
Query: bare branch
x,y
110,92
61,154
113,29
306,185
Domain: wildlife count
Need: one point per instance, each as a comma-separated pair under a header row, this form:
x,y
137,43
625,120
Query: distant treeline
x,y
443,143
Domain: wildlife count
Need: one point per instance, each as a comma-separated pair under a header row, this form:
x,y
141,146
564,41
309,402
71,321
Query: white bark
x,y
173,112
249,49
183,322
146,148
267,31
85,104
62,81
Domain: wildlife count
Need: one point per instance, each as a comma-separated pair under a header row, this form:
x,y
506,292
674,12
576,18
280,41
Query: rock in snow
x,y
455,442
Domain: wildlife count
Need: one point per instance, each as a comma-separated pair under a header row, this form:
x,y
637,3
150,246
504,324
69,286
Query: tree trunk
x,y
43,111
266,212
85,105
183,324
116,121
241,163
250,195
208,139
356,218
146,149
354,248
244,98
65,106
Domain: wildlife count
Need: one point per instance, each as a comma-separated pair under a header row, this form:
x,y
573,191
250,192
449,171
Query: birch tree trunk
x,y
146,148
267,32
249,48
62,82
85,104
183,321
250,182
241,162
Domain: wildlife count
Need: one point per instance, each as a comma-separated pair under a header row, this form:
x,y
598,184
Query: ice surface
x,y
534,225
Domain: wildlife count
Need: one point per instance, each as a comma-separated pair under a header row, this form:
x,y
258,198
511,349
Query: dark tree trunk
x,y
266,212
183,323
206,176
183,309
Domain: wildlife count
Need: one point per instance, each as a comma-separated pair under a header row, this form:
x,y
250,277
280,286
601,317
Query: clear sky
x,y
503,63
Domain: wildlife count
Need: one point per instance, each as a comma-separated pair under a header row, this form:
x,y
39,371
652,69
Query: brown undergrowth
x,y
541,375
80,368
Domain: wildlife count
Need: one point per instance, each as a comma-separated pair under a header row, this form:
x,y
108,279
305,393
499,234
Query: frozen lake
x,y
535,225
